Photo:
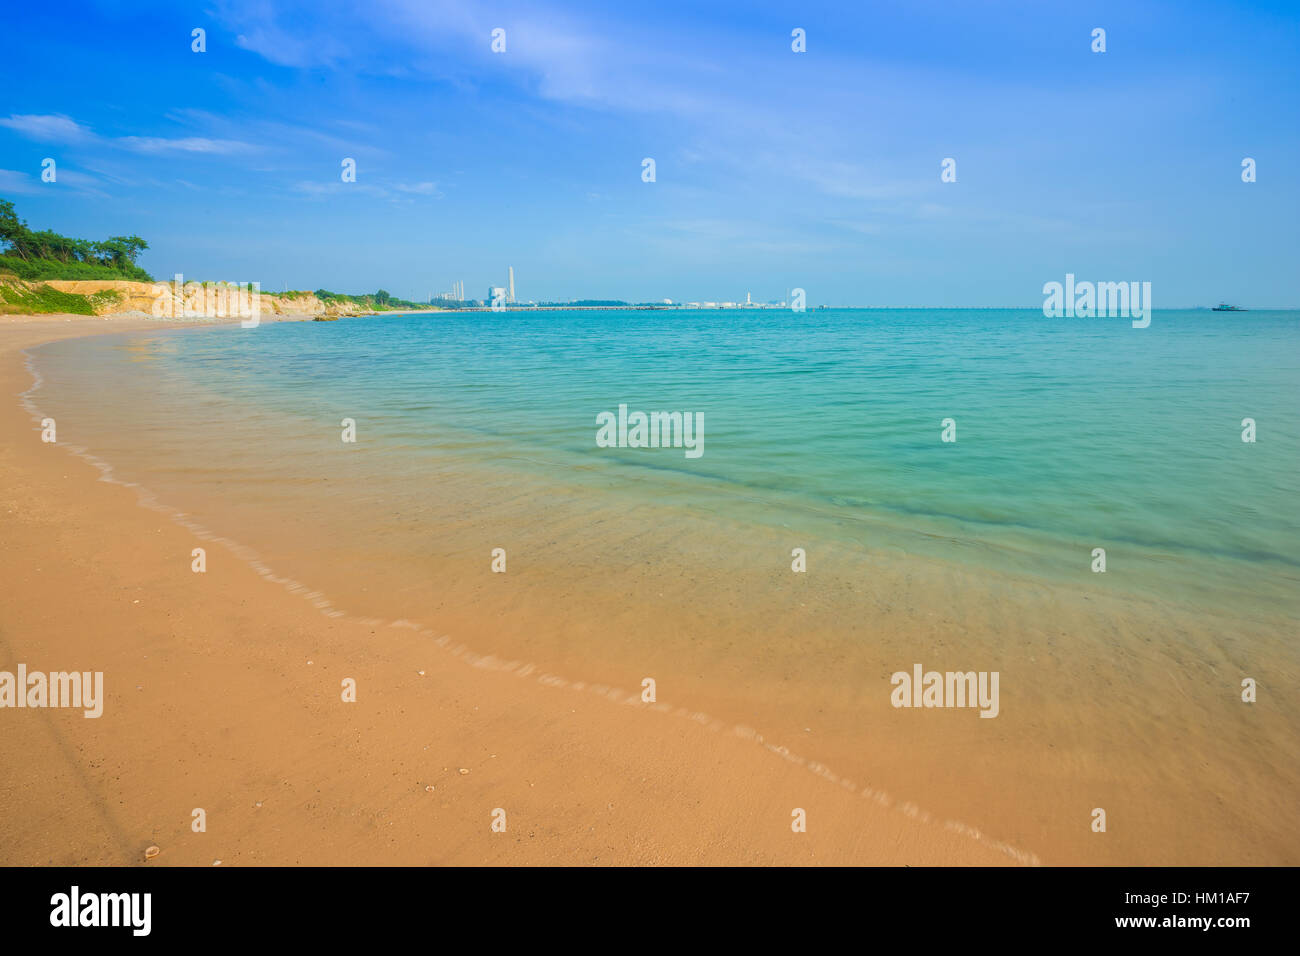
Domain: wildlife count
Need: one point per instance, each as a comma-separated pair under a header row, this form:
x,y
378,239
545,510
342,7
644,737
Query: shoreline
x,y
583,778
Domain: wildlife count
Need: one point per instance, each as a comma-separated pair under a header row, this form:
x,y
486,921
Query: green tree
x,y
14,232
122,251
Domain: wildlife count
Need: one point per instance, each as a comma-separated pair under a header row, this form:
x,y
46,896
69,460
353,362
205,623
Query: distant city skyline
x,y
773,169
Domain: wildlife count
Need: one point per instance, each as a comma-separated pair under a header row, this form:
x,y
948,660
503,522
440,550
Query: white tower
x,y
512,286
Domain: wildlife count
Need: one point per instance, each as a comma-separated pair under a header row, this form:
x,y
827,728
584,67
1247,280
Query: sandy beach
x,y
223,693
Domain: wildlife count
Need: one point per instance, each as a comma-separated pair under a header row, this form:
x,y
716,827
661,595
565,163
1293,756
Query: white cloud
x,y
82,182
48,129
12,181
848,180
186,144
18,183
56,128
422,189
287,48
393,192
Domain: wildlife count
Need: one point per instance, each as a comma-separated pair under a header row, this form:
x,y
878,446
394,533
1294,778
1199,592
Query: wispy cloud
x,y
396,192
56,128
81,182
185,144
421,189
48,129
850,180
12,181
19,183
552,54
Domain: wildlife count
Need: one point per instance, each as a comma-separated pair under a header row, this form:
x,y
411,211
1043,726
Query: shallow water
x,y
1072,434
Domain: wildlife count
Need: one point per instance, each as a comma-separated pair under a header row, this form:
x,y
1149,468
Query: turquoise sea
x,y
1071,434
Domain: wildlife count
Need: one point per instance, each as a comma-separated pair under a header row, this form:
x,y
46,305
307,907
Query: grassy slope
x,y
42,299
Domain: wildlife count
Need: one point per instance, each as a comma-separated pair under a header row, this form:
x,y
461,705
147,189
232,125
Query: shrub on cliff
x,y
35,255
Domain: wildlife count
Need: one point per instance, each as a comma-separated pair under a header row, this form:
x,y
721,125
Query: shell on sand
x,y
151,852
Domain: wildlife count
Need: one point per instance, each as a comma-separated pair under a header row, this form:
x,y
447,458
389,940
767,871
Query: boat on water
x,y
1224,307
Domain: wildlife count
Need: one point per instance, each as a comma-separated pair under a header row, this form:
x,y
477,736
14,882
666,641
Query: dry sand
x,y
223,693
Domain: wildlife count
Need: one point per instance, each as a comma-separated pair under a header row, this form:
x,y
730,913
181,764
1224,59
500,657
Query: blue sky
x,y
775,170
